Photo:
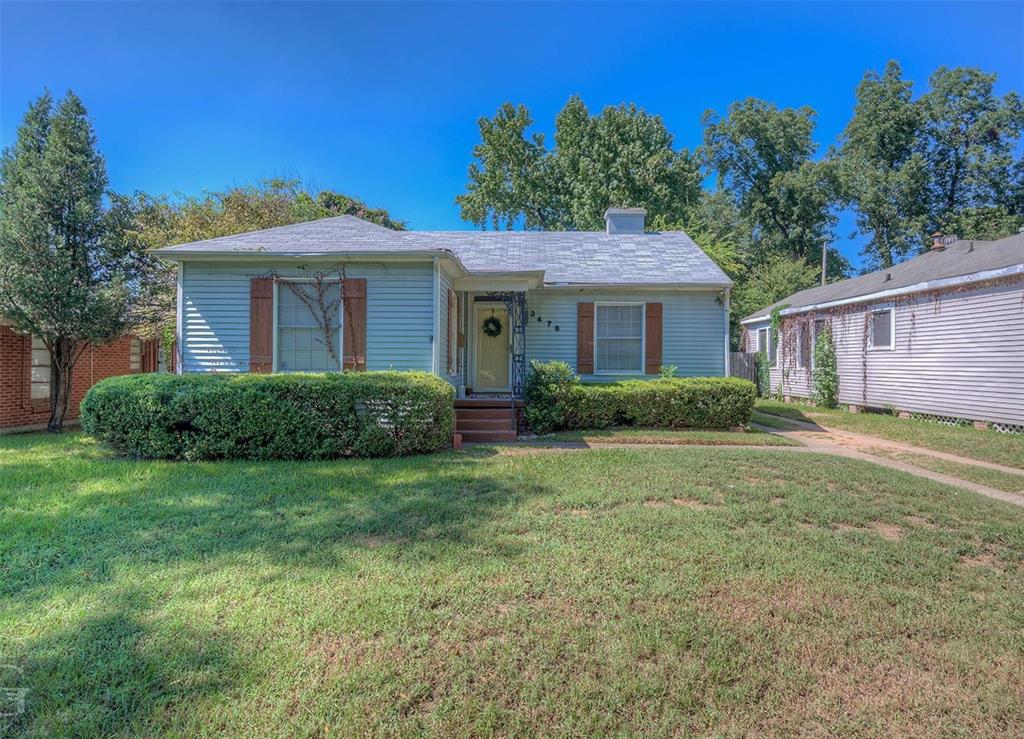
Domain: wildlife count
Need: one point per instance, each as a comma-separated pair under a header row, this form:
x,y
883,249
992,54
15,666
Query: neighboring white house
x,y
473,307
939,335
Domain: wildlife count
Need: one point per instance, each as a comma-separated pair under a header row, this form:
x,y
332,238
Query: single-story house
x,y
473,307
939,335
25,375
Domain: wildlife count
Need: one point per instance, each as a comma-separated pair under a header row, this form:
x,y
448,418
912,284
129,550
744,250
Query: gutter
x,y
927,286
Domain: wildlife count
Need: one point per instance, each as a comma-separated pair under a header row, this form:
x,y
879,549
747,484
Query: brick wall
x,y
17,410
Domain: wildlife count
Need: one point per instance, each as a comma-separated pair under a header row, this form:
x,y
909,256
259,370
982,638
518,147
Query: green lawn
x,y
668,436
625,591
988,446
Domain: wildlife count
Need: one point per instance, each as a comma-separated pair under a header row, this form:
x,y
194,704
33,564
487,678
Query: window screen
x,y
881,329
762,340
619,344
40,370
301,343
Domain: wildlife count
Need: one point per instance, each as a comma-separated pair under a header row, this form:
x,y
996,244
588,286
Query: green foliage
x,y
984,223
762,157
559,401
764,383
774,280
825,374
285,416
667,371
621,157
881,173
67,273
547,387
969,139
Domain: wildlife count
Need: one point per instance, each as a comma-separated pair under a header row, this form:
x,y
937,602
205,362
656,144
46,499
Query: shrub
x,y
293,416
562,402
825,375
547,387
764,381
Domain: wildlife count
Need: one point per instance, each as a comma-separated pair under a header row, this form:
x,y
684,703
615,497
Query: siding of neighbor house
x,y
215,313
959,355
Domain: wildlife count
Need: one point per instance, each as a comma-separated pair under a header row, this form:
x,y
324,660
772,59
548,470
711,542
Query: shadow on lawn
x,y
115,524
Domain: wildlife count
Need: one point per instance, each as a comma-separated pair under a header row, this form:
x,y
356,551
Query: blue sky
x,y
381,100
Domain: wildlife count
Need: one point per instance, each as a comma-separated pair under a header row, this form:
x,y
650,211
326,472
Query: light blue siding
x,y
693,327
215,314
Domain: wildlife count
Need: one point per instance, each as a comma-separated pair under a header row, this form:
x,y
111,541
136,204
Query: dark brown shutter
x,y
354,330
652,353
261,324
585,338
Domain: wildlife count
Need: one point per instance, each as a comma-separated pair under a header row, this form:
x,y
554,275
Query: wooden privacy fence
x,y
743,364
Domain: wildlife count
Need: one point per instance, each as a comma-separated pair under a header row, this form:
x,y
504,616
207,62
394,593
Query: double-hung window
x,y
881,329
135,354
762,340
803,354
619,338
40,371
308,327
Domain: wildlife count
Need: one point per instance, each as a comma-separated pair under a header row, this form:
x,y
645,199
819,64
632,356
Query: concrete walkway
x,y
858,446
817,440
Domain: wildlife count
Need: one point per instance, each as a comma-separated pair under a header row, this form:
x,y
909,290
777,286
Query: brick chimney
x,y
940,242
624,220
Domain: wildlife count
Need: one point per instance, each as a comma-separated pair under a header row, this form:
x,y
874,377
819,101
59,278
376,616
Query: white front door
x,y
493,353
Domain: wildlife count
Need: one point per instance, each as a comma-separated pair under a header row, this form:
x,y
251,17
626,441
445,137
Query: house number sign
x,y
540,319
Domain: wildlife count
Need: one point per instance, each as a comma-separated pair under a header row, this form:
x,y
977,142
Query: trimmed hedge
x,y
556,400
286,416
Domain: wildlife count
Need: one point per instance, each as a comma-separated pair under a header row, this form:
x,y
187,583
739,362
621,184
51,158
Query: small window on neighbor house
x,y
302,342
803,354
762,340
40,373
619,331
135,354
881,329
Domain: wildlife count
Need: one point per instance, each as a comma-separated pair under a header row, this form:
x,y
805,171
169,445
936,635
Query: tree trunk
x,y
62,362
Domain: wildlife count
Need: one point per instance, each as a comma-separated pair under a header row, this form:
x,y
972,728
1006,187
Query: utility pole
x,y
824,261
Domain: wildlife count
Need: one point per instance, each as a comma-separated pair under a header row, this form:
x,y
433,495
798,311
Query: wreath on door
x,y
492,327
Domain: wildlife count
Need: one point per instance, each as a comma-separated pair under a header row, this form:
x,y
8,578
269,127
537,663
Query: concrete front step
x,y
484,403
478,423
478,437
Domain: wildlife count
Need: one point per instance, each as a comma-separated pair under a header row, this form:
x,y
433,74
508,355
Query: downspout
x,y
178,335
727,367
437,316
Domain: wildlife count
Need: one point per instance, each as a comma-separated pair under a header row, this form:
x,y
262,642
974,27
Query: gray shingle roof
x,y
582,257
959,259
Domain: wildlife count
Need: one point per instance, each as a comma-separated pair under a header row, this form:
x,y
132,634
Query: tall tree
x,y
68,275
762,157
969,139
880,172
621,157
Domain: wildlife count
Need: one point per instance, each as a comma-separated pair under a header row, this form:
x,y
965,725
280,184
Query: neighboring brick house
x,y
25,375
